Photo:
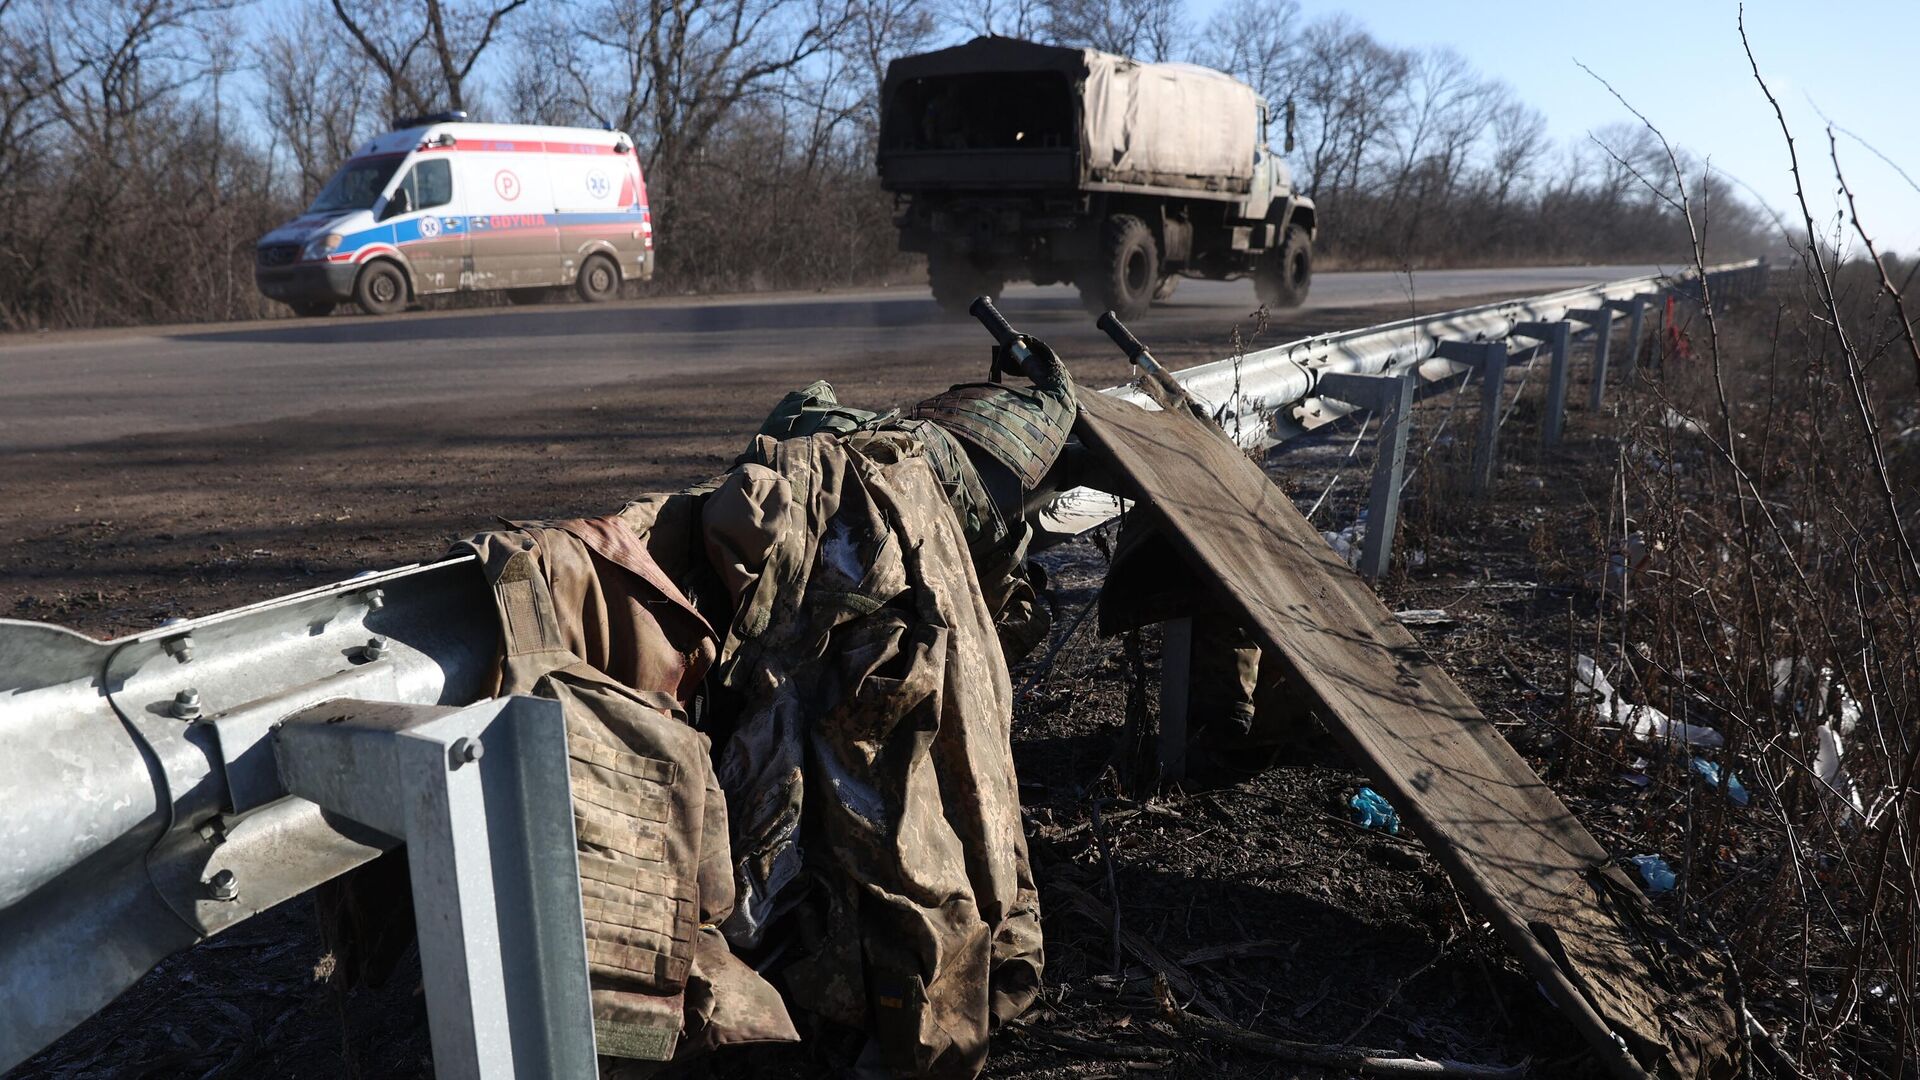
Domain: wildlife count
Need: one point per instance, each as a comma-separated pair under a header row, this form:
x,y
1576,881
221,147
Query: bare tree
x,y
1255,41
426,53
681,69
1143,29
1008,18
312,97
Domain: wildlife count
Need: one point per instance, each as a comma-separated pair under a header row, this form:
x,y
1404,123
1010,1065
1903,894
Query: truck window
x,y
356,186
1002,111
430,184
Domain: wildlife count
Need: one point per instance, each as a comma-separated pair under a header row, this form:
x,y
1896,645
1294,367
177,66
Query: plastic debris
x,y
1680,422
1655,873
1424,617
1347,542
1643,722
1628,557
1710,772
1373,811
1830,769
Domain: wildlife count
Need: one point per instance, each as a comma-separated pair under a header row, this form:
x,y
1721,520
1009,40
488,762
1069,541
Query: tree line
x,y
146,144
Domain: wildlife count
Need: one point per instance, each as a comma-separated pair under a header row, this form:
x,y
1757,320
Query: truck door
x,y
1260,193
516,242
428,226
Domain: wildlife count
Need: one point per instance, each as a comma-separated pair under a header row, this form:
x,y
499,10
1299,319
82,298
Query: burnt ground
x,y
1255,903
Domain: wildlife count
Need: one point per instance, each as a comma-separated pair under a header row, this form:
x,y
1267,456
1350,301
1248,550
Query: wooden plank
x,y
1514,848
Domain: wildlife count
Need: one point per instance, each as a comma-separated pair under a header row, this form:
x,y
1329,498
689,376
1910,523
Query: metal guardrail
x,y
147,796
1279,394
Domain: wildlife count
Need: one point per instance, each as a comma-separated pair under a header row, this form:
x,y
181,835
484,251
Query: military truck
x,y
1008,159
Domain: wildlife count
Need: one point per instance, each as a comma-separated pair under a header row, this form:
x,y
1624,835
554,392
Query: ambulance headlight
x,y
322,246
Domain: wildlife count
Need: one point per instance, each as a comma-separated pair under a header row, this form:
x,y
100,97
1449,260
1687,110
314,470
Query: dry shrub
x,y
1781,609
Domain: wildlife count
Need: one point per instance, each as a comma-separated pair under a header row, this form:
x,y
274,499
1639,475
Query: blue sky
x,y
1680,62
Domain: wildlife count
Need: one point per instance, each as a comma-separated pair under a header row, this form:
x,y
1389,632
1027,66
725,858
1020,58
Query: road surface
x,y
70,389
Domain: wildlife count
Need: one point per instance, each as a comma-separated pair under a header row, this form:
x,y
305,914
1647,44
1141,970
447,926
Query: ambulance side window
x,y
429,184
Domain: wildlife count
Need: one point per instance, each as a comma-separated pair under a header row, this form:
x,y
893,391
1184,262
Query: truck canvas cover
x,y
1155,125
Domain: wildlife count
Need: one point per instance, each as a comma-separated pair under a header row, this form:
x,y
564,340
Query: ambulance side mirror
x,y
397,203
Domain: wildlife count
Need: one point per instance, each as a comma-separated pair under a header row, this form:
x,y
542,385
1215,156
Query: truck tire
x,y
599,279
1284,276
1124,280
381,289
956,281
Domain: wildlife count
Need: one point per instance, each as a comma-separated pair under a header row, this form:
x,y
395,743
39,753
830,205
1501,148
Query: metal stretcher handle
x,y
996,323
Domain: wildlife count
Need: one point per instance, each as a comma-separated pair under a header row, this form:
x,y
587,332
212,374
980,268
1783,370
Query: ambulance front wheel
x,y
599,279
381,289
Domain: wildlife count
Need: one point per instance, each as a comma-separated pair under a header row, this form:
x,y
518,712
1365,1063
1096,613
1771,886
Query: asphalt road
x,y
70,389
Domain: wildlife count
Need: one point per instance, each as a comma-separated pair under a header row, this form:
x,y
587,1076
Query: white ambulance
x,y
440,205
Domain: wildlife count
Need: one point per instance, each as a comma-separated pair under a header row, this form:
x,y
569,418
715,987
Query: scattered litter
x,y
1710,772
1655,872
1628,558
1347,542
1643,722
1829,768
1372,811
1424,617
1637,774
1680,422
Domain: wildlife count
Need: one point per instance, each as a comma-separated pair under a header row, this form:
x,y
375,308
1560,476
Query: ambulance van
x,y
440,205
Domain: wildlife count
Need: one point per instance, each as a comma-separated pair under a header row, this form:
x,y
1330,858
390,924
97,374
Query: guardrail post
x,y
1602,322
1176,688
1636,309
1558,336
490,850
1490,359
1391,396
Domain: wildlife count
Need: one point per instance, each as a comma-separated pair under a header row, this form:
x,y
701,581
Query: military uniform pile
x,y
788,714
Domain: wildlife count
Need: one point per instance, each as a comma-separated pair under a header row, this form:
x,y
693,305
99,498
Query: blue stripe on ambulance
x,y
402,233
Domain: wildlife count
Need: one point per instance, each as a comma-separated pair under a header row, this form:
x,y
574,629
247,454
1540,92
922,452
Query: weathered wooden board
x,y
1579,924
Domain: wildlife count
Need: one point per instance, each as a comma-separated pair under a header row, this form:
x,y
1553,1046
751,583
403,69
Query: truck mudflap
x,y
1647,1003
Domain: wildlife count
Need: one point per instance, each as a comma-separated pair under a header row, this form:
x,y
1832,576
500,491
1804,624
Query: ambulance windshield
x,y
356,186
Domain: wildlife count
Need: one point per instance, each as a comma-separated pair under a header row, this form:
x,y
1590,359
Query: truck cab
x,y
442,205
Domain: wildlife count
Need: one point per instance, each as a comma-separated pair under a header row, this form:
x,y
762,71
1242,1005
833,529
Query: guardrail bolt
x,y
180,648
374,649
223,886
375,598
465,750
186,704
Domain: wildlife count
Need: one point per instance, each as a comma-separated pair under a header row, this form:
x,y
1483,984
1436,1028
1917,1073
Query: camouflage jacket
x,y
869,769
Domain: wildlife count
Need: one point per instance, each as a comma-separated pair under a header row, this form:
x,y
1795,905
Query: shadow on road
x,y
574,320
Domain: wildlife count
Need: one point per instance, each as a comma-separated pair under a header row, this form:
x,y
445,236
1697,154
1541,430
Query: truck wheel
x,y
1284,276
1164,290
381,288
955,282
599,279
1128,272
311,309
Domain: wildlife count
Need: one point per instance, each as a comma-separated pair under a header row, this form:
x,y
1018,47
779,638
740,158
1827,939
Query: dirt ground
x,y
1253,901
